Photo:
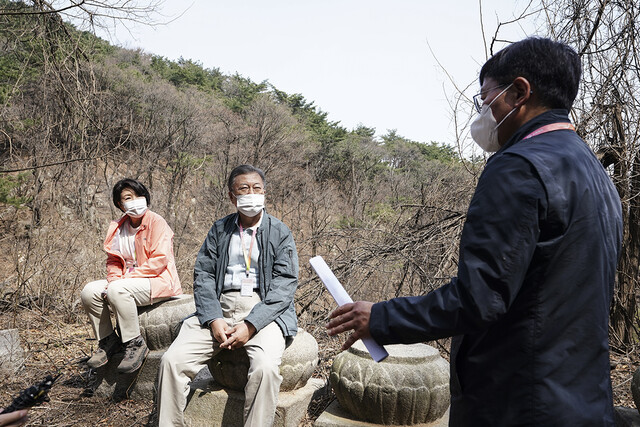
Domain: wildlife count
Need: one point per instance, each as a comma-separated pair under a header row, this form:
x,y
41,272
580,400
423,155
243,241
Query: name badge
x,y
247,286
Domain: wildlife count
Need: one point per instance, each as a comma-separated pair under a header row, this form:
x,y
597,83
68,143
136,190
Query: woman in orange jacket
x,y
141,270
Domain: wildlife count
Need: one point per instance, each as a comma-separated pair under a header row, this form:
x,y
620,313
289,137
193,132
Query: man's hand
x,y
239,335
16,418
219,329
351,316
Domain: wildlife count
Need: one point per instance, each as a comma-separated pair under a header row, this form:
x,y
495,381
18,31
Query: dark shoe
x,y
134,353
107,347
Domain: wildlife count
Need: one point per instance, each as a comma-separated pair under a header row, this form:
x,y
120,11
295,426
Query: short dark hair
x,y
243,170
133,184
552,68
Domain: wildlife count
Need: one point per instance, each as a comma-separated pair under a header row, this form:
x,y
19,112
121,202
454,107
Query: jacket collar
x,y
261,224
551,116
234,218
146,219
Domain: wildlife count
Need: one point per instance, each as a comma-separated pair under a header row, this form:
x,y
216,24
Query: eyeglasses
x,y
246,189
477,99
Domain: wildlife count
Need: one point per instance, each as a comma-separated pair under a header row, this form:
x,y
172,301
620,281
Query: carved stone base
x,y
212,406
11,353
137,385
217,398
635,388
409,387
335,416
159,325
299,360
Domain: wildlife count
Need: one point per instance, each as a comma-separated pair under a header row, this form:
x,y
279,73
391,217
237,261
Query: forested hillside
x,y
77,114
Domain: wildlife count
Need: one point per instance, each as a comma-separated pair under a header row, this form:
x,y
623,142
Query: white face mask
x,y
484,129
135,208
250,204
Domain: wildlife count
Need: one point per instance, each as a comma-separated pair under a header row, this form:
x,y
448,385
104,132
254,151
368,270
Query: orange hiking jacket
x,y
154,253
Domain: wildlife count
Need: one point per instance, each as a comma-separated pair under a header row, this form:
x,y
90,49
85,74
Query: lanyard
x,y
247,256
550,128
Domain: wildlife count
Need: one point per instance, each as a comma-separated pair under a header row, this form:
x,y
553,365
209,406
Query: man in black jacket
x,y
529,308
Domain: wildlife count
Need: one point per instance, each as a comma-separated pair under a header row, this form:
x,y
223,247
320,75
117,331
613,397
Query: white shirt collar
x,y
255,227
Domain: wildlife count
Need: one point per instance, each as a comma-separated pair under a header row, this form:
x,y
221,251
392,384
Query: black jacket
x,y
530,305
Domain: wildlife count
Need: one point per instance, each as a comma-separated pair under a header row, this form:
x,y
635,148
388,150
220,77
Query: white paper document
x,y
341,296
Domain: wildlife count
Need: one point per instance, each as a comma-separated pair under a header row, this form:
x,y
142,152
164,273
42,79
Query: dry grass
x,y
51,345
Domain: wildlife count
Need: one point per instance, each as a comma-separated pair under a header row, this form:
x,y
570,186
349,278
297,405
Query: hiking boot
x,y
107,347
135,351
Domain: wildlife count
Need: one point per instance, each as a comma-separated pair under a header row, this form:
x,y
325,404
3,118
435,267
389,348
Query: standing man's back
x,y
546,358
529,308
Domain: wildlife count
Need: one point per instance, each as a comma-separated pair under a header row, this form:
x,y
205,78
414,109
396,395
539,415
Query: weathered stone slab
x,y
11,353
299,360
336,416
218,396
159,325
139,385
626,417
409,387
210,405
635,388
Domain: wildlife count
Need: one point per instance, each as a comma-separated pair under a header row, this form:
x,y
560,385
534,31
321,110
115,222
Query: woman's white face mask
x,y
250,204
484,129
135,208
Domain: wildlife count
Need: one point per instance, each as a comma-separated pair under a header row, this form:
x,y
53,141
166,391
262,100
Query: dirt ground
x,y
52,345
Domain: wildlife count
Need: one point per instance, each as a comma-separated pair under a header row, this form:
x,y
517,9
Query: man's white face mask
x,y
484,129
250,204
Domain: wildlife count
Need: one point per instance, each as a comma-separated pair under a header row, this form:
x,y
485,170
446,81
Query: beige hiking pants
x,y
124,296
195,345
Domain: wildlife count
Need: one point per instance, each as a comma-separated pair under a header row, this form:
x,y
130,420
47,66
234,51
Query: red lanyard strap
x,y
550,128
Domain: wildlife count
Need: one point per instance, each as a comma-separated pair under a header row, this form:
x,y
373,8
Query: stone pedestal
x,y
159,326
626,417
213,406
229,368
335,416
218,400
410,387
11,354
635,388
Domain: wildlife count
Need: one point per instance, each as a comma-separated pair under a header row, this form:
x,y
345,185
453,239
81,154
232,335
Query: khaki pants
x,y
124,296
195,346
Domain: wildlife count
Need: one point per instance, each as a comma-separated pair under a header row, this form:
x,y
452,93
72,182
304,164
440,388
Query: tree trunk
x,y
623,309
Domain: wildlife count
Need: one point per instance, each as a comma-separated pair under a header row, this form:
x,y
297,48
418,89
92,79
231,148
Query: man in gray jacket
x,y
245,277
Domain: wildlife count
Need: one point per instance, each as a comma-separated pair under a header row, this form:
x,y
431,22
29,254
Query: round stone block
x,y
635,388
11,353
229,368
411,386
159,323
